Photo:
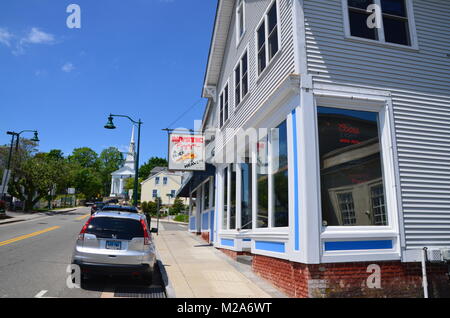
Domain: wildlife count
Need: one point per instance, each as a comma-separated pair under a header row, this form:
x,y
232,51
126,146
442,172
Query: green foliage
x,y
177,207
153,162
149,208
111,159
182,218
85,157
34,178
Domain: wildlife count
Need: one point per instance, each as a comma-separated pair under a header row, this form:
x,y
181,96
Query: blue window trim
x,y
276,247
358,245
227,242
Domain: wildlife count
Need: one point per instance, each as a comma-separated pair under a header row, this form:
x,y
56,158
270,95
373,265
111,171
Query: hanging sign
x,y
186,152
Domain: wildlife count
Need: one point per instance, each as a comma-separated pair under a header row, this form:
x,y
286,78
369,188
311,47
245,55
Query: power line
x,y
185,112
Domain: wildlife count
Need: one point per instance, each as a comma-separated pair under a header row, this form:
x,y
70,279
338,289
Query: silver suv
x,y
113,243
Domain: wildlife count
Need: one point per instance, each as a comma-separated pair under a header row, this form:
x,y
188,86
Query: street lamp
x,y
15,135
110,125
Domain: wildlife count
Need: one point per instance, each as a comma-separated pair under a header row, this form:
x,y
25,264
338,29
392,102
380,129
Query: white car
x,y
115,243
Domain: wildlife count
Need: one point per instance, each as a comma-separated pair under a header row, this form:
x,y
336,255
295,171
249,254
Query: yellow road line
x,y
82,217
23,237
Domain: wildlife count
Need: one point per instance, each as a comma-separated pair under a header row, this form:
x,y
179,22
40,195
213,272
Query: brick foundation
x,y
233,254
205,236
350,279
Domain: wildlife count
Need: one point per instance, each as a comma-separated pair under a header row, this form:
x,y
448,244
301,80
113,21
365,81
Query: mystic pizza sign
x,y
186,152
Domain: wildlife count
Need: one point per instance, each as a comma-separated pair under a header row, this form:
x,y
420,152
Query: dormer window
x,y
240,21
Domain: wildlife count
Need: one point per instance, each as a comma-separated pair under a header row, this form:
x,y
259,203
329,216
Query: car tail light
x,y
146,235
83,230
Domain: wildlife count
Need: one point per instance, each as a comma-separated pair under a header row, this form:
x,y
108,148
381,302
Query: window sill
x,y
412,48
269,66
350,232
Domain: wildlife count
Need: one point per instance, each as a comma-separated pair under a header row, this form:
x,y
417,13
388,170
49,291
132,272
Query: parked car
x,y
89,203
115,243
112,201
97,206
121,208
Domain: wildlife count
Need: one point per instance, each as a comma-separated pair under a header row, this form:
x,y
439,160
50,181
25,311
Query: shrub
x,y
182,218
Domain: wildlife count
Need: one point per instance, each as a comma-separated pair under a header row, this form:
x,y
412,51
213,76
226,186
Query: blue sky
x,y
143,58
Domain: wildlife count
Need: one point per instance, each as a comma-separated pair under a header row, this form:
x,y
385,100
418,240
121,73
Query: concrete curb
x,y
170,291
22,219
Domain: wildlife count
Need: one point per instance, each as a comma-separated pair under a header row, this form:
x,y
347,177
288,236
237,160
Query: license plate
x,y
113,245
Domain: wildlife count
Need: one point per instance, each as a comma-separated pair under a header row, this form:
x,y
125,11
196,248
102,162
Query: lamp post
x,y
110,125
15,135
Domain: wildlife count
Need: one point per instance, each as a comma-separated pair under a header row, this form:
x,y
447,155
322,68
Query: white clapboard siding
x,y
259,90
419,81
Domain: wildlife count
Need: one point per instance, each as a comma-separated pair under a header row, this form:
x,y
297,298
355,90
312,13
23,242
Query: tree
x,y
34,178
85,157
153,162
177,207
111,159
129,185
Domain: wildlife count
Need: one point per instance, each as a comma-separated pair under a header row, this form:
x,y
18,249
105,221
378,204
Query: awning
x,y
194,180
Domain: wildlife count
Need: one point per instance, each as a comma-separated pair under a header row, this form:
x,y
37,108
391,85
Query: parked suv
x,y
97,206
115,243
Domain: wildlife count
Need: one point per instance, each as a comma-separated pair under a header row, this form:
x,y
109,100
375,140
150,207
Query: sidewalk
x,y
23,216
197,270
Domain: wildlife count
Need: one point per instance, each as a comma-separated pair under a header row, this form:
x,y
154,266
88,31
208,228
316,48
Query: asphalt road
x,y
34,256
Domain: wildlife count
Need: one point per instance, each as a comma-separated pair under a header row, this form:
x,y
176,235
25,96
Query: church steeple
x,y
129,161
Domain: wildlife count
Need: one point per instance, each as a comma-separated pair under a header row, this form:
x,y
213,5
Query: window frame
x,y
265,21
239,66
414,45
222,121
373,101
240,35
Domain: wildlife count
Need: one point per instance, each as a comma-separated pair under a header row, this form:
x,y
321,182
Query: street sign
x,y
187,152
71,191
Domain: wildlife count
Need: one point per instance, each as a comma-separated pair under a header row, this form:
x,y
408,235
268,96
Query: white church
x,y
127,171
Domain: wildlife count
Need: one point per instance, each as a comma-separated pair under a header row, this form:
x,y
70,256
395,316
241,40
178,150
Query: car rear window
x,y
117,228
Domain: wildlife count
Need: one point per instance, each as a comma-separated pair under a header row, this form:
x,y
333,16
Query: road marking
x,y
82,217
23,237
41,294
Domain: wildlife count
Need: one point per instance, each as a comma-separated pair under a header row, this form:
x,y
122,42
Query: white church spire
x,y
131,152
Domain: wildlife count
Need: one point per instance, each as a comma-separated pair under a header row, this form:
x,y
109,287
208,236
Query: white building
x,y
127,171
363,116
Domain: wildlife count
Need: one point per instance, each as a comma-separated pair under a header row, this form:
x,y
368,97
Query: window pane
x,y
350,163
233,200
121,229
396,31
272,17
273,43
221,109
246,196
378,206
225,199
358,26
395,7
225,100
262,216
362,4
280,176
346,208
241,19
237,90
261,48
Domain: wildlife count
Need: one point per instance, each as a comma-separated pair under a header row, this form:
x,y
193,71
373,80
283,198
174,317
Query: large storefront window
x,y
280,178
246,196
262,184
351,176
